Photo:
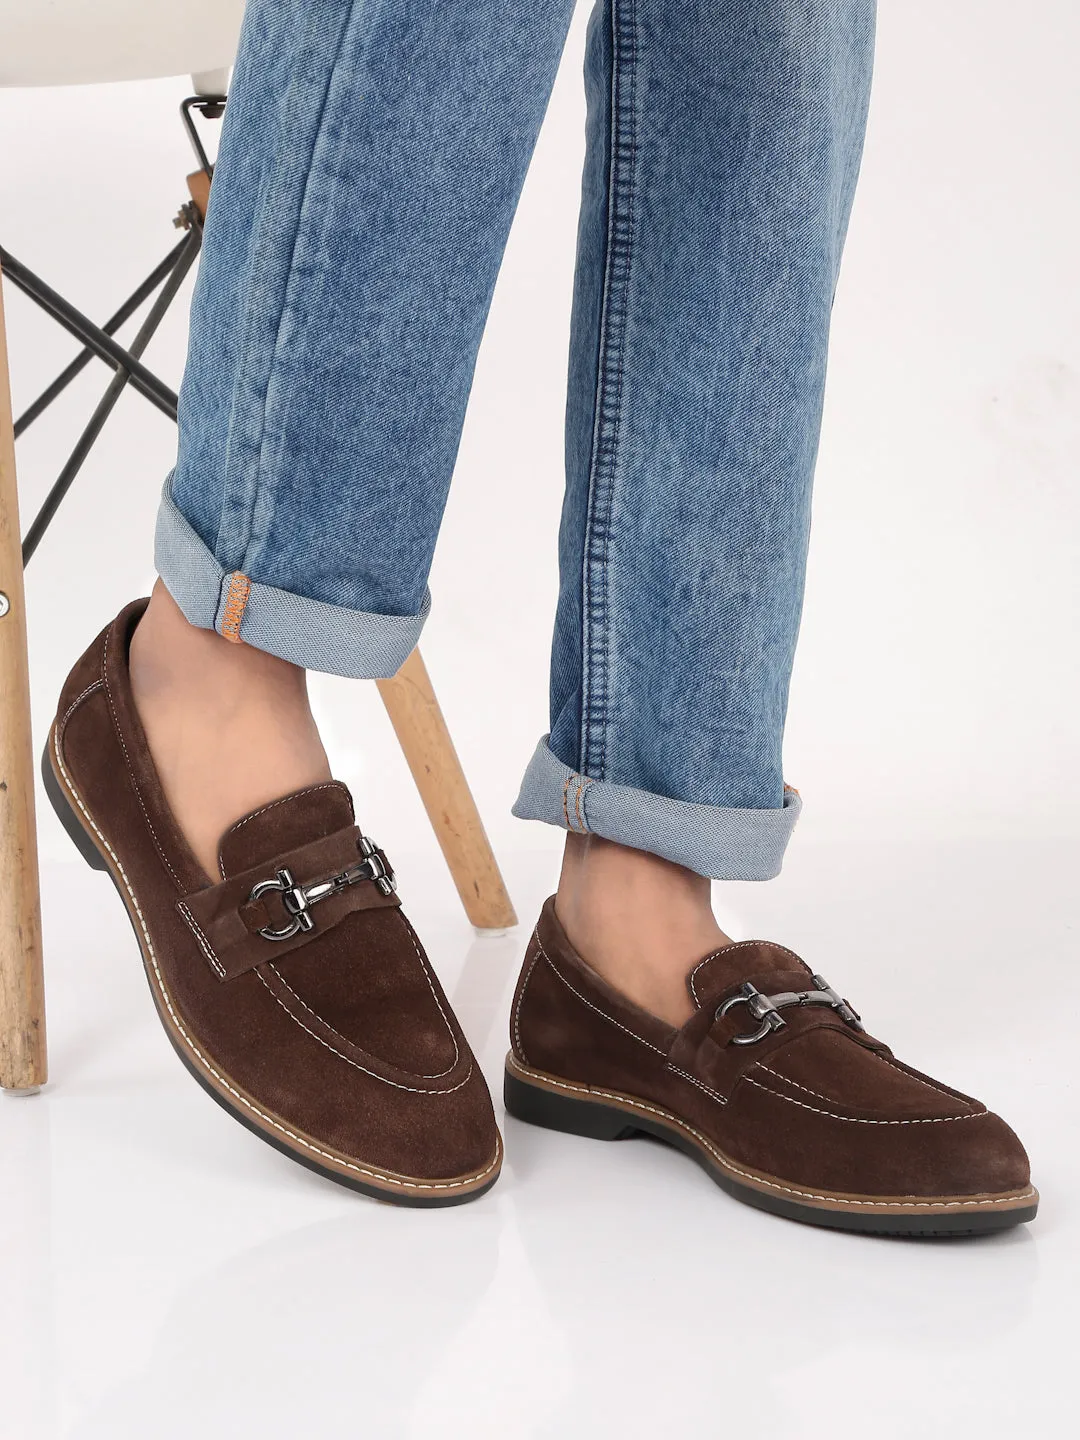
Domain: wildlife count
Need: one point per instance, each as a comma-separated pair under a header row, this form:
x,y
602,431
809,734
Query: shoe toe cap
x,y
980,1155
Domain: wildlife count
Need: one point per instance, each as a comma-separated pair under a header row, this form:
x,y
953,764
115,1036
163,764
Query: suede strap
x,y
226,921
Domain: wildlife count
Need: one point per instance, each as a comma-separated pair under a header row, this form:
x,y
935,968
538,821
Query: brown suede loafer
x,y
772,1085
291,985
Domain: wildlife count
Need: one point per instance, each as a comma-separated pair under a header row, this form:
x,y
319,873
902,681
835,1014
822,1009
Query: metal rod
x,y
114,322
212,107
91,335
116,388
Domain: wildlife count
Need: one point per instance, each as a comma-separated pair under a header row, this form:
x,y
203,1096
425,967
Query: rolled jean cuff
x,y
714,840
310,633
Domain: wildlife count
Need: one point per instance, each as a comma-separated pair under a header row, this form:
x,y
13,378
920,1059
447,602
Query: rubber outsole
x,y
87,847
556,1104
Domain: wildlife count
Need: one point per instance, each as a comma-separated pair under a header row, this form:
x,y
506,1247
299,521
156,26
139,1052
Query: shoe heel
x,y
539,1106
65,813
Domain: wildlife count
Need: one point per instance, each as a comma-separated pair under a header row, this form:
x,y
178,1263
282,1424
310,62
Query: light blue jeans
x,y
371,160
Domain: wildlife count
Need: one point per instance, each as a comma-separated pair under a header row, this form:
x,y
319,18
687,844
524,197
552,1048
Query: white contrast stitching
x,y
713,1094
127,761
855,1119
435,995
345,1039
308,790
413,1089
832,1100
667,1115
920,1081
902,1070
94,685
816,1093
323,1021
271,966
602,1013
311,790
698,966
739,945
212,957
207,948
521,994
423,965
385,1177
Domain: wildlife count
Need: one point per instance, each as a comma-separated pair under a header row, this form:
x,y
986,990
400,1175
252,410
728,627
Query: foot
x,y
772,1085
229,727
638,920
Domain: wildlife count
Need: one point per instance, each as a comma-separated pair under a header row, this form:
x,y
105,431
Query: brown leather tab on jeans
x,y
226,921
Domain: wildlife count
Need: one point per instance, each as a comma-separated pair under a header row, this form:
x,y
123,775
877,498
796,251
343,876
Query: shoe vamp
x,y
827,1065
369,982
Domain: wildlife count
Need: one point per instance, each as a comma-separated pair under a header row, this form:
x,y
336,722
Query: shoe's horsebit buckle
x,y
298,899
766,1008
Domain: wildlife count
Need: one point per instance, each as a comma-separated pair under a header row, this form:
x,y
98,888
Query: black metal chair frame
x,y
98,340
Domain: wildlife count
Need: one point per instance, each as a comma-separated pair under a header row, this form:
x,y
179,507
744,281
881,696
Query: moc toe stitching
x,y
351,1059
861,1119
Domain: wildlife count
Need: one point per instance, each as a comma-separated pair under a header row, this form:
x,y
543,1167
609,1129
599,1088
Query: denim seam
x,y
235,598
579,809
287,302
270,213
583,809
622,140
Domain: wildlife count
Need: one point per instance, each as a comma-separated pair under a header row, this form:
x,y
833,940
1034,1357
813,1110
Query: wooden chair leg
x,y
426,744
22,992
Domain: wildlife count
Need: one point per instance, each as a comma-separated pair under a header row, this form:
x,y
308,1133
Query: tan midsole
x,y
264,1119
770,1184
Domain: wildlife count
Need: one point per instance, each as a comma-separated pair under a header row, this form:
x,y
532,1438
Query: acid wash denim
x,y
372,156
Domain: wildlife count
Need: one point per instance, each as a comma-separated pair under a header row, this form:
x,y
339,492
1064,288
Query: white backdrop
x,y
936,685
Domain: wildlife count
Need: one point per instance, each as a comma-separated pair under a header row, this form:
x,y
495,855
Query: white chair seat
x,y
82,42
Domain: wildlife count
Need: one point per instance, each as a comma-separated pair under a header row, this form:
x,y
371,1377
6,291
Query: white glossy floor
x,y
165,1274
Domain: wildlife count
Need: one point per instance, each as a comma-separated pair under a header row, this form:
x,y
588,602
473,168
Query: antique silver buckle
x,y
766,1008
299,899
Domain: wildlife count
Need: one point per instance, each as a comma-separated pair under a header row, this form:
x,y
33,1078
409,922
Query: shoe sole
x,y
407,1190
557,1104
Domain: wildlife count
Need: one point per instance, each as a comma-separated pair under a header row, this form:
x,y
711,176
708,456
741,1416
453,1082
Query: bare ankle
x,y
167,652
229,726
637,919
